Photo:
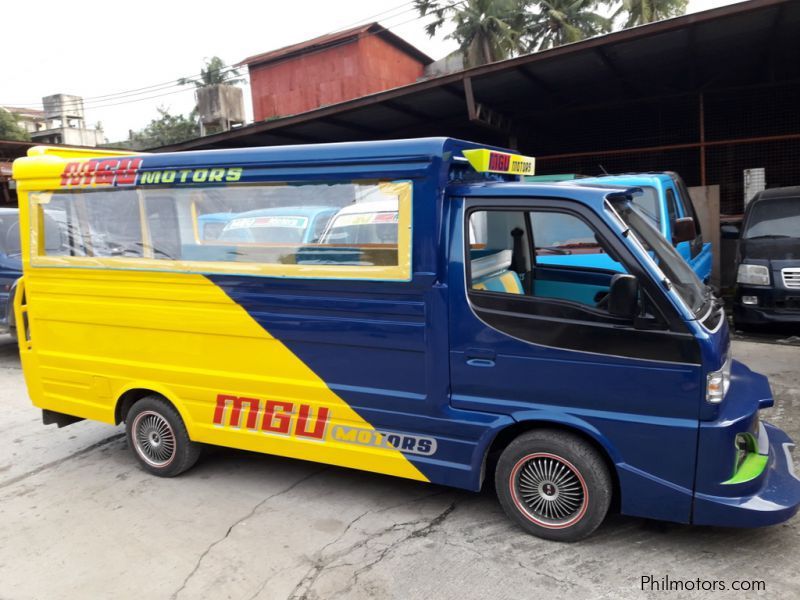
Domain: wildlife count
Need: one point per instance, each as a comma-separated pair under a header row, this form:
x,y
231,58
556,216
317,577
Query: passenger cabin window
x,y
350,229
546,256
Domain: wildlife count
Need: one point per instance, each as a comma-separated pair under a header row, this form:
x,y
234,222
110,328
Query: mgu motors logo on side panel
x,y
276,417
108,171
115,172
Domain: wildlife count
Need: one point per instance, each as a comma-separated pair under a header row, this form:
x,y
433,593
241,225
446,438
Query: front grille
x,y
791,278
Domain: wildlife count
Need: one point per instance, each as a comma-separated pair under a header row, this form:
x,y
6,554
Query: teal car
x,y
287,224
664,200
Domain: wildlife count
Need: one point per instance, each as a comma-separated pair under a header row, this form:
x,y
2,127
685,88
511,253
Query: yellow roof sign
x,y
484,160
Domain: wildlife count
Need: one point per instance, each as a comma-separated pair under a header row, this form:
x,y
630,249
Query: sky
x,y
100,50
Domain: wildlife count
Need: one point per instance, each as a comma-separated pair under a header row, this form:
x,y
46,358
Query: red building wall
x,y
365,65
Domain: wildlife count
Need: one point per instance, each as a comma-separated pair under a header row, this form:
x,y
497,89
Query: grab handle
x,y
21,315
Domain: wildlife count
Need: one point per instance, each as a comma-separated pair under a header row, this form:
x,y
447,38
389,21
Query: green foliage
x,y
557,22
640,12
10,129
486,30
167,129
215,72
491,30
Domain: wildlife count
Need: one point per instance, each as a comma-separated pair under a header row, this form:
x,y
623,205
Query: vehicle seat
x,y
491,273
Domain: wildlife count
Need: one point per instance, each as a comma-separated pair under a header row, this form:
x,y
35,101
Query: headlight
x,y
753,275
718,382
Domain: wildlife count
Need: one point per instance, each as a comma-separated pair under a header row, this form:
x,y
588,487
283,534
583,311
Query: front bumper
x,y
775,305
776,499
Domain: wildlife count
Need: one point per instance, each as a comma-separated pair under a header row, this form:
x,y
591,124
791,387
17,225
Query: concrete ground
x,y
79,519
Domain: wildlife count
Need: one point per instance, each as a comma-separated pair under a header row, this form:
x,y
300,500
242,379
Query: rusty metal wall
x,y
349,70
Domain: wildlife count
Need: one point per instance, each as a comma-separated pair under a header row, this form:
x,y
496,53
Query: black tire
x,y
158,438
554,485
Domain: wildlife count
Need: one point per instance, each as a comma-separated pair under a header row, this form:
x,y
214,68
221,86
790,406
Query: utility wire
x,y
110,100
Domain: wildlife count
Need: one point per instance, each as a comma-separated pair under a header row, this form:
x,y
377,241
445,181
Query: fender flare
x,y
159,389
569,421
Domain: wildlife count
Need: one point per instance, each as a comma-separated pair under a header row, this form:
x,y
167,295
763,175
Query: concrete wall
x,y
70,136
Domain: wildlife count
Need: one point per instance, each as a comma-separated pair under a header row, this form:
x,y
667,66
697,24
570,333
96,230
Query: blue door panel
x,y
590,261
574,292
378,347
571,284
641,411
702,263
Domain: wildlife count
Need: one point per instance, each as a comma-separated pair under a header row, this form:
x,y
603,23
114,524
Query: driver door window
x,y
548,256
553,275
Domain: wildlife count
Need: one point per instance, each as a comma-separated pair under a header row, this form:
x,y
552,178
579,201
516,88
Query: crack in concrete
x,y
252,512
416,533
320,565
62,460
317,570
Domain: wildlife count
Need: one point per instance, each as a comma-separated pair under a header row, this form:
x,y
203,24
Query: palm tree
x,y
486,30
214,73
560,22
646,11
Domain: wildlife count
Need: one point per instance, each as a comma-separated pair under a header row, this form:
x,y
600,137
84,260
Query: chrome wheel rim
x,y
549,490
154,439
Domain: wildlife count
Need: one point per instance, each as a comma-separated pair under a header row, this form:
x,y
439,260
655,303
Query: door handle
x,y
480,357
480,362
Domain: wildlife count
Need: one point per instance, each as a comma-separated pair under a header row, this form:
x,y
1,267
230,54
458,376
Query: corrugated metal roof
x,y
332,39
744,44
24,111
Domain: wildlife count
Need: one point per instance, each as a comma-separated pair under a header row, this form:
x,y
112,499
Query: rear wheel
x,y
159,439
554,485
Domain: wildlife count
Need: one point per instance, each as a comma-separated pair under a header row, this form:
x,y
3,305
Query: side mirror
x,y
683,230
623,296
729,232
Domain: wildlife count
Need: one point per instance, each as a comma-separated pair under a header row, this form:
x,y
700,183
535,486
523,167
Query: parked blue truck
x,y
664,198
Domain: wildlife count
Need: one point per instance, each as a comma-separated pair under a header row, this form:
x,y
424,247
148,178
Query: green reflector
x,y
751,468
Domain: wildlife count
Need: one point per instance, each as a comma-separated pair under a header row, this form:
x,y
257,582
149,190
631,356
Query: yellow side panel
x,y
96,334
66,152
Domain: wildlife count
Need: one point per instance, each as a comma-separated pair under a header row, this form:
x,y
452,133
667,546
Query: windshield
x,y
265,229
677,272
9,233
363,228
774,219
647,201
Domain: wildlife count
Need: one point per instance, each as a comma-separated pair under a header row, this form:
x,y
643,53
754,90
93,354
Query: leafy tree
x,y
167,129
215,72
557,22
486,30
640,12
10,129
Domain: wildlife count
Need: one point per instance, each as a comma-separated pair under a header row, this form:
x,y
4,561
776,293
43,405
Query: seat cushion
x,y
507,282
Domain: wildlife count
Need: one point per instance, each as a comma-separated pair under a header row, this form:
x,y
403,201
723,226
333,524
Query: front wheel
x,y
158,437
554,485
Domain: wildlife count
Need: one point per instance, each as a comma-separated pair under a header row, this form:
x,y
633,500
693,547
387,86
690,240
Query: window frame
x,y
400,272
602,315
672,207
664,310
